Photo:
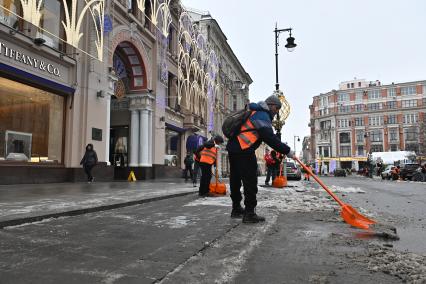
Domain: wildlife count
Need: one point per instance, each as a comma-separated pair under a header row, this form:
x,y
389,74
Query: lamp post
x,y
294,141
285,108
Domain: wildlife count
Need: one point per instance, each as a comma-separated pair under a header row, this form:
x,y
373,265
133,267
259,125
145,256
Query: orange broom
x,y
280,181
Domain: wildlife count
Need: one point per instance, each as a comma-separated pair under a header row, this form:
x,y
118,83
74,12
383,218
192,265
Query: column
x,y
150,138
143,138
107,130
134,138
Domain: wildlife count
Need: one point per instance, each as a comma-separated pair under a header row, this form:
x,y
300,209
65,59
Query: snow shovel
x,y
217,188
280,181
349,214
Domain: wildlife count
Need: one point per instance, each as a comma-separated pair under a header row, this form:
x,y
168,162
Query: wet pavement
x,y
186,239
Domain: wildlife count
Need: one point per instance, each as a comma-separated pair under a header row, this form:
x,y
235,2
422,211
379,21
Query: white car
x,y
387,173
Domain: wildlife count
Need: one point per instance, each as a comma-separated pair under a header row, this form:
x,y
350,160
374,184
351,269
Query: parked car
x,y
387,173
407,170
293,171
340,173
420,174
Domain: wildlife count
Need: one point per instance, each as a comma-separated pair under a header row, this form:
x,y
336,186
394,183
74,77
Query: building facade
x,y
134,78
363,117
233,82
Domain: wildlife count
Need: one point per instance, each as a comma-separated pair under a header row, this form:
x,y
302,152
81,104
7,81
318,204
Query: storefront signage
x,y
28,60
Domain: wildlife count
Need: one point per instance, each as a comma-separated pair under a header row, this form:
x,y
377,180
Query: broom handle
x,y
216,170
319,181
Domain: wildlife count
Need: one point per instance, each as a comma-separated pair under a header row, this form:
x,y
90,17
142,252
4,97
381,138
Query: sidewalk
x,y
21,204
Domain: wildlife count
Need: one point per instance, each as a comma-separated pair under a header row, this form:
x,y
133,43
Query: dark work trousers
x,y
206,176
243,170
271,172
188,169
88,170
195,172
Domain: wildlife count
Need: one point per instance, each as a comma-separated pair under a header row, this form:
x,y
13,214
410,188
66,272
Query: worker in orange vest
x,y
242,158
206,156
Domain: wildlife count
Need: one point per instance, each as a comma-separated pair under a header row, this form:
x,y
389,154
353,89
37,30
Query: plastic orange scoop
x,y
348,213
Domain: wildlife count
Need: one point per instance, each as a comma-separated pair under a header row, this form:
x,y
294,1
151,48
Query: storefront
x,y
173,152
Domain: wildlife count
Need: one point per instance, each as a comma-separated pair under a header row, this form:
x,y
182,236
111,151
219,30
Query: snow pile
x,y
175,222
408,267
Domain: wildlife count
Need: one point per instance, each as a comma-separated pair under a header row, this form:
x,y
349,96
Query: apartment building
x,y
366,116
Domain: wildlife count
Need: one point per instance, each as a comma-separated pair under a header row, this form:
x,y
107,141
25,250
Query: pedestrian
x,y
196,170
89,160
188,161
207,156
242,158
307,175
270,166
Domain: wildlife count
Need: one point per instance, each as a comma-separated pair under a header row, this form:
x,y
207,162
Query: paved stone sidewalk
x,y
35,202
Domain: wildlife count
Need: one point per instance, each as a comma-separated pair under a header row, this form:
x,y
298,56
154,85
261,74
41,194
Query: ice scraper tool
x,y
348,213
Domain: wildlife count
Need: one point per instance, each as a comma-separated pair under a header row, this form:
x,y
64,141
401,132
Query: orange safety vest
x,y
248,134
208,156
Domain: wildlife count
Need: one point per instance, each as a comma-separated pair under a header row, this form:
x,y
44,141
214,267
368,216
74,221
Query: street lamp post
x,y
285,109
294,141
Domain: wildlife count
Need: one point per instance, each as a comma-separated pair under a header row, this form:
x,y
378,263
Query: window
x,y
31,124
343,97
9,18
424,102
348,85
392,119
410,118
377,148
409,103
411,134
360,150
51,21
393,135
374,94
325,124
352,85
394,147
345,151
360,137
411,90
344,109
391,105
375,120
376,135
375,106
392,92
359,84
359,107
412,147
344,137
234,103
359,121
358,96
341,123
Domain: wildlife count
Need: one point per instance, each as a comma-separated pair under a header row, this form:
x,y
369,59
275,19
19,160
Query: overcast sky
x,y
337,40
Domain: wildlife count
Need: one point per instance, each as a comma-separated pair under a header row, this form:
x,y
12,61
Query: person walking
x,y
242,158
307,175
188,161
89,160
207,155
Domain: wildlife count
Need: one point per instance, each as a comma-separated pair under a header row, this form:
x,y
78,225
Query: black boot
x,y
237,212
252,217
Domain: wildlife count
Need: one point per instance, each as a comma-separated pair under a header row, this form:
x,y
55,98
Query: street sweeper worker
x,y
242,158
206,156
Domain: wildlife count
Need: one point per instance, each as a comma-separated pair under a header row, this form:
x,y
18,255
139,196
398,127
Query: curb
x,y
32,219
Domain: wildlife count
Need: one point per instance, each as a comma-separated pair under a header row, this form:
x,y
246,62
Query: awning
x,y
193,141
175,128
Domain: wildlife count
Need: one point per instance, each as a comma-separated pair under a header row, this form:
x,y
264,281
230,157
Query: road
x,y
191,240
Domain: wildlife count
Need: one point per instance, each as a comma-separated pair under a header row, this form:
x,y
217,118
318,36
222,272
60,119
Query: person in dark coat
x,y
242,157
90,159
188,161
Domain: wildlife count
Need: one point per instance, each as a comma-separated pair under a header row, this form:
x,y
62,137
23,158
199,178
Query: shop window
x,y
173,152
31,124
